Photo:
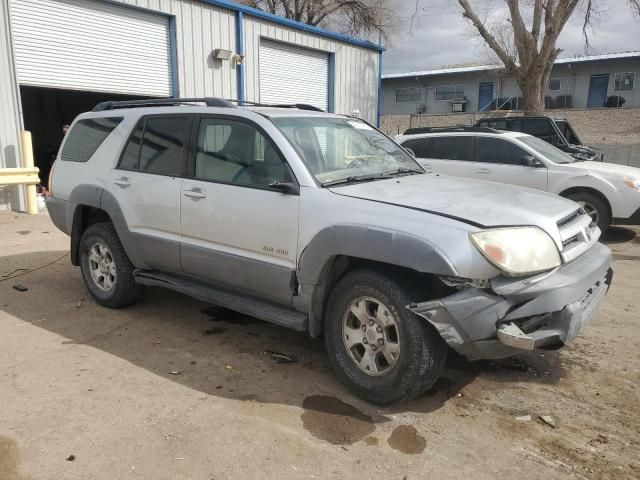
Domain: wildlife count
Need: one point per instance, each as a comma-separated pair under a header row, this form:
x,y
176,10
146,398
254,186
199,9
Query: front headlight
x,y
518,250
631,183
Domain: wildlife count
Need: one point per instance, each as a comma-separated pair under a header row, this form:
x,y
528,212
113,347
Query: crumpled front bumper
x,y
515,315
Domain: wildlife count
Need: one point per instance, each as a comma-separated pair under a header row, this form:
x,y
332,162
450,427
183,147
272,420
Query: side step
x,y
264,310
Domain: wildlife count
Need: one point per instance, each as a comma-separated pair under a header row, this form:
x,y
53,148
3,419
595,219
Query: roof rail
x,y
299,106
462,128
209,101
162,102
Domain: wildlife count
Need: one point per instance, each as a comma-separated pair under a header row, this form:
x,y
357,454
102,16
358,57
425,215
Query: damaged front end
x,y
511,315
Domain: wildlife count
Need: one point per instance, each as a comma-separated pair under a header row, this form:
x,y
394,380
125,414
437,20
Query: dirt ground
x,y
168,389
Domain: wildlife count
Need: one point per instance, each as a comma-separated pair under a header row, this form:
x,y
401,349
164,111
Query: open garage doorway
x,y
47,110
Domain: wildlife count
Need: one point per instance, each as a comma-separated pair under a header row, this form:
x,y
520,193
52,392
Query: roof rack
x,y
162,102
461,128
299,106
208,101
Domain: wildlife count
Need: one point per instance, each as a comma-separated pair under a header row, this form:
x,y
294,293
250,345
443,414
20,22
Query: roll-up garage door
x,y
290,74
91,45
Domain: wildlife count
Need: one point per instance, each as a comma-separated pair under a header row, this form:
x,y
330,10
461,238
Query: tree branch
x,y
508,62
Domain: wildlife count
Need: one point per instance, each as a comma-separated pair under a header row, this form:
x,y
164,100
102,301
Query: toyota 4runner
x,y
321,223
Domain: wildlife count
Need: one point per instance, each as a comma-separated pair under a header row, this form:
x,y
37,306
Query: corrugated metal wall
x,y
356,68
10,124
200,28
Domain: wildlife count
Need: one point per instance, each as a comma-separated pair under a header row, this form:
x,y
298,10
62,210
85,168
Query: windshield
x,y
568,132
343,150
546,149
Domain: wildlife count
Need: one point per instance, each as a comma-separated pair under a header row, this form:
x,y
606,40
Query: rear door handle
x,y
194,194
483,170
122,182
426,166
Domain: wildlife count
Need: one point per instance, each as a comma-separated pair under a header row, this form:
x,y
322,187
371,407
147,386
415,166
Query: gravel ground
x,y
168,389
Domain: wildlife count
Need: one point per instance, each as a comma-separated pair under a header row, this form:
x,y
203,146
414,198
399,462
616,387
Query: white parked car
x,y
608,192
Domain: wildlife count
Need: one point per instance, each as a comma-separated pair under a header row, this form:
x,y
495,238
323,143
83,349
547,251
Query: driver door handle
x,y
483,170
195,193
122,182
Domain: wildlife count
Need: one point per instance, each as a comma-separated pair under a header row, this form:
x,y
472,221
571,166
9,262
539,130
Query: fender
x,y
97,197
588,180
365,242
109,204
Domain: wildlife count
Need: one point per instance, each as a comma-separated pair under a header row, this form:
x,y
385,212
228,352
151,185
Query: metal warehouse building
x,y
59,58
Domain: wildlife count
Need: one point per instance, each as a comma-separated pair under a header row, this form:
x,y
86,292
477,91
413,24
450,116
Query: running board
x,y
248,305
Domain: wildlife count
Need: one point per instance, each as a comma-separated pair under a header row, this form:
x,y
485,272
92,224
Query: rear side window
x,y
449,148
86,136
499,123
157,146
496,150
416,145
535,127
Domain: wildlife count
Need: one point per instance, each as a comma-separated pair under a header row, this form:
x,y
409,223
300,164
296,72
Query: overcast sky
x,y
440,36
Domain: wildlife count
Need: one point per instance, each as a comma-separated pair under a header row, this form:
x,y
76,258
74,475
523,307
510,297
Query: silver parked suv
x,y
321,223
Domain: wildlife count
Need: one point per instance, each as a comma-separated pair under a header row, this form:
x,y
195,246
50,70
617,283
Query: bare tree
x,y
367,18
528,49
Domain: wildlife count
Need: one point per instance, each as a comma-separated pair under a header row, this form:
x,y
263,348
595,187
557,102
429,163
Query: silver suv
x,y
321,223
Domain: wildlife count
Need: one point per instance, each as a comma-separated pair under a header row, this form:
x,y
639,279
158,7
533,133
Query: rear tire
x,y
597,208
409,354
106,269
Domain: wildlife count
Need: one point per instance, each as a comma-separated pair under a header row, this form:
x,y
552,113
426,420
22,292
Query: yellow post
x,y
27,162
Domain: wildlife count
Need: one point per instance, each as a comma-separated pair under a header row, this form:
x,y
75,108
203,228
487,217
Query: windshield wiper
x,y
404,170
354,179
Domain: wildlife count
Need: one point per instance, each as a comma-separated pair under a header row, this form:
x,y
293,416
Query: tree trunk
x,y
533,89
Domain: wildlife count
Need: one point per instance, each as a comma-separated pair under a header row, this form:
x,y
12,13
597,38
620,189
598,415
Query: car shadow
x,y
617,234
218,352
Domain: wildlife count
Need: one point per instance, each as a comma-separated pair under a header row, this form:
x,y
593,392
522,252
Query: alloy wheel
x,y
102,266
371,336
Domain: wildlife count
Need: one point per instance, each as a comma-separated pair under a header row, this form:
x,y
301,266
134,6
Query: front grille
x,y
578,233
570,218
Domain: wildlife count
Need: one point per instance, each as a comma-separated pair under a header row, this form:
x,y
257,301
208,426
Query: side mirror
x,y
531,161
410,152
288,188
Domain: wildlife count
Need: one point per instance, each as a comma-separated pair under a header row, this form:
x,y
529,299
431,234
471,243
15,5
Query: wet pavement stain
x,y
406,439
9,460
371,441
335,421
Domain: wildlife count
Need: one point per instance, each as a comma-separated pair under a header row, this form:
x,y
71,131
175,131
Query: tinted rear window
x,y
86,136
157,146
449,148
499,124
415,144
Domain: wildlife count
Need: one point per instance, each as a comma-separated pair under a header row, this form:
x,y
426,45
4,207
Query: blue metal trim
x,y
254,12
331,107
379,108
240,51
173,39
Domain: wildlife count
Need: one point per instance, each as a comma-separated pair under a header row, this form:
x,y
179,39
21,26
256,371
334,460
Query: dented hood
x,y
480,203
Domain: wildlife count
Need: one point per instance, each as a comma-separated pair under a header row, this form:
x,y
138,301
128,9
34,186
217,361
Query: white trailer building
x,y
59,58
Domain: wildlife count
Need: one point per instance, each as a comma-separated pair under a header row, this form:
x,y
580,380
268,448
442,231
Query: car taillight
x,y
49,191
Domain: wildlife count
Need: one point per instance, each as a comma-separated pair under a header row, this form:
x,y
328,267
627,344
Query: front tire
x,y
380,350
106,269
595,207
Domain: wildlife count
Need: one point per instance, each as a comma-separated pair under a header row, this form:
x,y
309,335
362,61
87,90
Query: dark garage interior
x,y
47,110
